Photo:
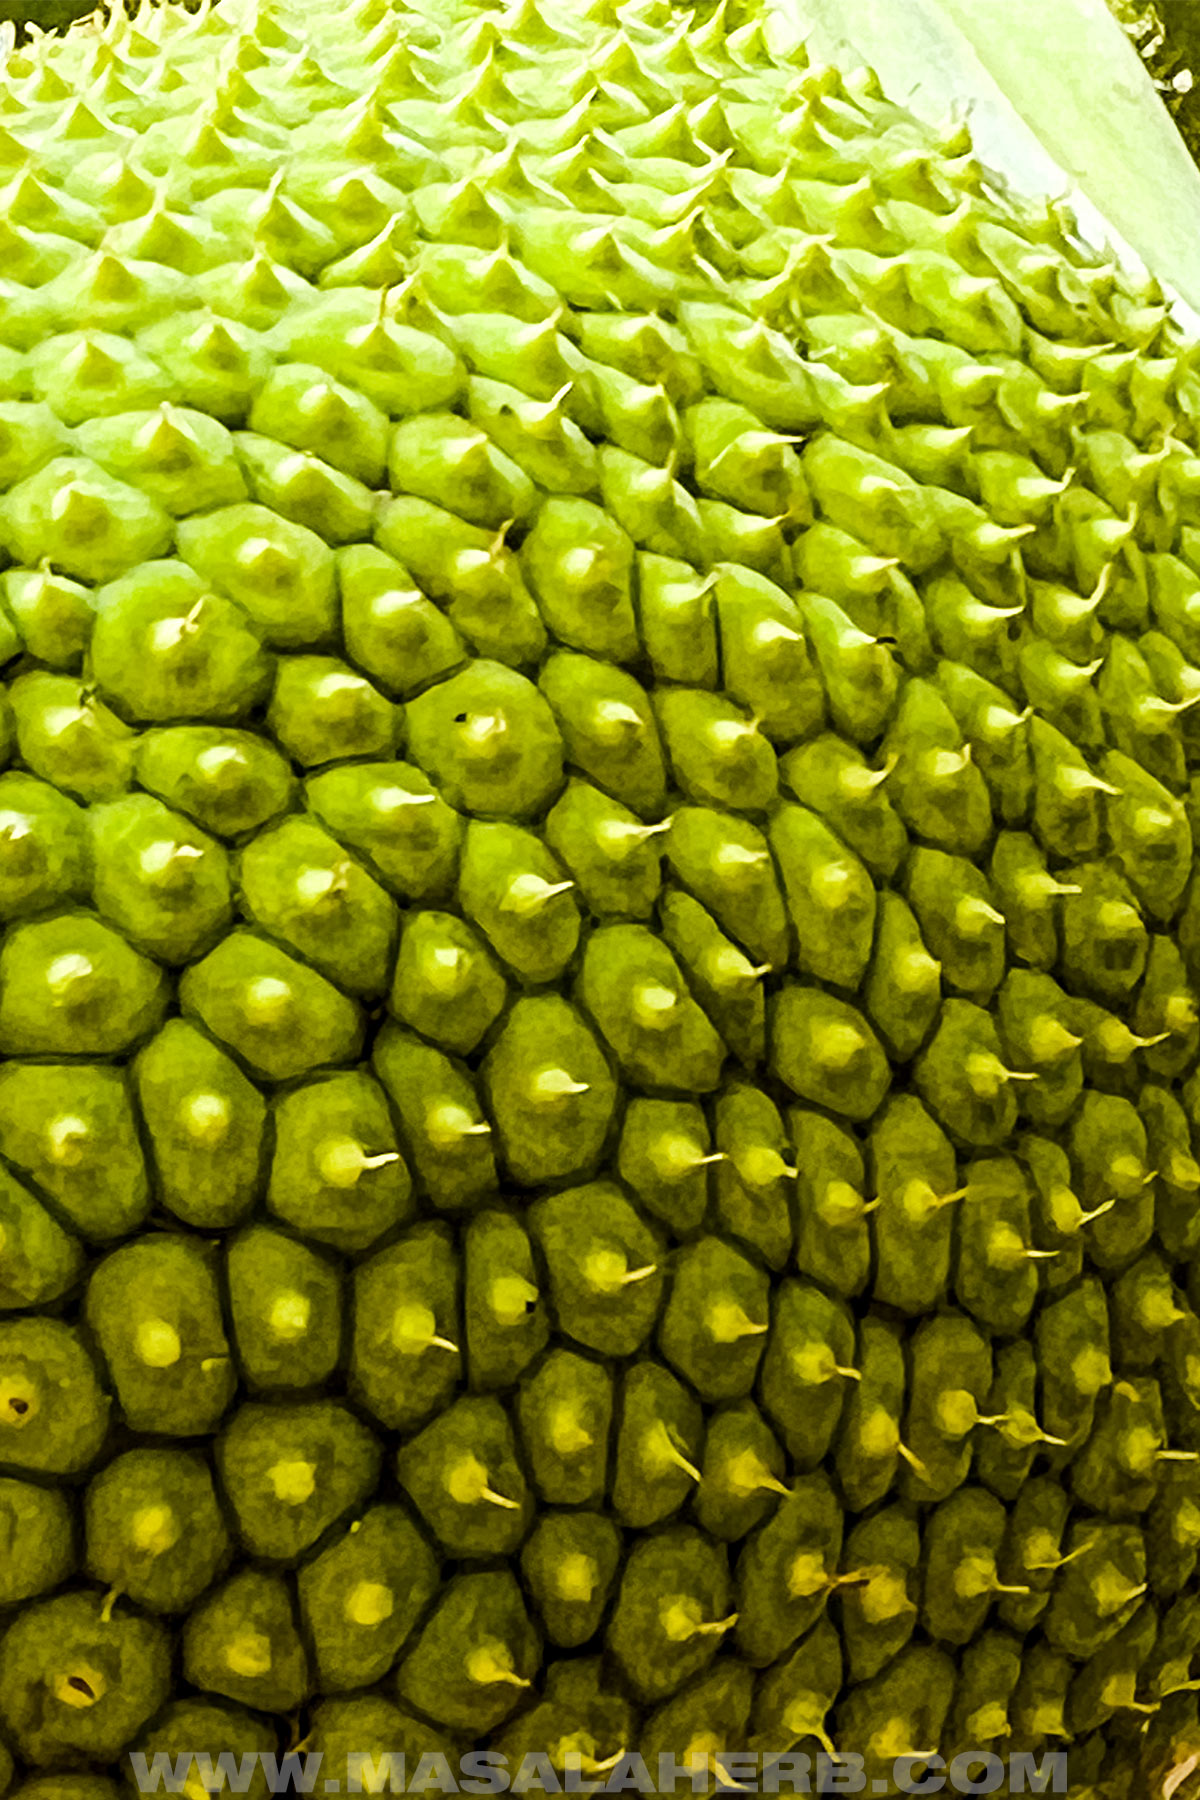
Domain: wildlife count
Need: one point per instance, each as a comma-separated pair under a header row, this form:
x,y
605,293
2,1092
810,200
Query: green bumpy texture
x,y
600,634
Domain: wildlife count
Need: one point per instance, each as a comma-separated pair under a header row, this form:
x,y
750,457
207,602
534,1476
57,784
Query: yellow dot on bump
x,y
511,1298
840,1203
466,1481
394,601
654,1006
728,1322
249,1654
289,1315
168,634
915,971
332,687
293,1482
1128,1172
577,1578
1116,917
1185,1527
680,1619
676,1156
492,1663
340,1161
1090,1370
806,1575
370,1603
220,760
413,1328
314,885
567,1434
446,1125
551,1086
267,1000
956,1412
918,1199
759,1165
578,564
605,1270
445,967
812,1363
65,972
891,1740
386,799
832,883
154,1530
58,720
736,866
836,1043
885,1597
157,1344
205,1117
66,1140
483,733
1179,1013
158,857
470,562
879,1434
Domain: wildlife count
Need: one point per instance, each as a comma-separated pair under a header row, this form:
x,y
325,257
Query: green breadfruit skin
x,y
154,1309
570,1562
507,1326
289,1472
37,1530
154,1528
286,1304
39,1261
357,1736
54,1411
242,1643
468,1667
65,1651
599,950
581,1713
362,1595
658,1440
72,1129
209,1729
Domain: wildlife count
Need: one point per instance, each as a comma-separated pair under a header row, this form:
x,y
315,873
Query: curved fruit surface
x,y
599,642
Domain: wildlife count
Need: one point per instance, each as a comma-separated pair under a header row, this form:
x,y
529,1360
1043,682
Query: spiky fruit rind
x,y
598,924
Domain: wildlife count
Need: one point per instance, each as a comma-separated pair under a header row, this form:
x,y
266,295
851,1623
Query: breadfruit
x,y
600,634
